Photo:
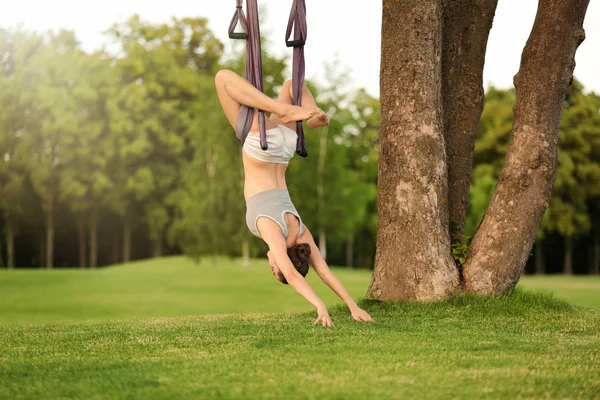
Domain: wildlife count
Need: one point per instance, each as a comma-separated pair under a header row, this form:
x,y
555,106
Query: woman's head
x,y
299,255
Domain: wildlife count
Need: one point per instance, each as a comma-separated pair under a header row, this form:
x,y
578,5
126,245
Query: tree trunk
x,y
413,259
115,248
126,241
568,260
50,234
321,194
10,245
157,248
540,268
246,253
465,29
81,237
590,258
350,251
93,239
323,243
502,244
596,266
2,265
42,252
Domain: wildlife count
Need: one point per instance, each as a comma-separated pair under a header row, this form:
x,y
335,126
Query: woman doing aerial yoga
x,y
267,146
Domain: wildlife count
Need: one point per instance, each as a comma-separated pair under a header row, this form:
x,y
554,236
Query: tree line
x,y
108,157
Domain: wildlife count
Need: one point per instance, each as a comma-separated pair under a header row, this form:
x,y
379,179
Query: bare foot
x,y
318,119
290,113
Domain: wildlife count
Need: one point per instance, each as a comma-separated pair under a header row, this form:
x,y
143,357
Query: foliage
x,y
460,245
578,167
137,140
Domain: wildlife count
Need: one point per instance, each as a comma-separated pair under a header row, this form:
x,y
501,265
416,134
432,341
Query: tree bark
x,y
126,240
93,239
502,244
465,30
568,260
81,238
413,259
10,245
540,268
50,234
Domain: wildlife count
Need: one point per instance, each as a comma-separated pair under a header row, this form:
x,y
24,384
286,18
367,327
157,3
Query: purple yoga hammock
x,y
251,33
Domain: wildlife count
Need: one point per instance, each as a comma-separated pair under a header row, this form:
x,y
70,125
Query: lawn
x,y
578,290
163,287
136,332
177,286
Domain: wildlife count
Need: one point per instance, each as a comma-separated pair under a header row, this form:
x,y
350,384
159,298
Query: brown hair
x,y
299,255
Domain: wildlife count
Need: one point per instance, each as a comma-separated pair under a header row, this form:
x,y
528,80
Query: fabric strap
x,y
297,21
241,18
254,73
253,69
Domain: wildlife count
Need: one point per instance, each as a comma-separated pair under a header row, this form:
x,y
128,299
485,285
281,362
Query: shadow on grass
x,y
518,302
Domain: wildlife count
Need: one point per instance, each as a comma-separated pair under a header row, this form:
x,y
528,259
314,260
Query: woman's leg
x,y
234,90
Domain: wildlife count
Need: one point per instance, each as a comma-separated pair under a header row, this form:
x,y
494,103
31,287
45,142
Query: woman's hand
x,y
361,315
324,317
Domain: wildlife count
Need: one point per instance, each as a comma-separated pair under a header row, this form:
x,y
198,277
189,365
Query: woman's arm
x,y
322,269
293,277
297,281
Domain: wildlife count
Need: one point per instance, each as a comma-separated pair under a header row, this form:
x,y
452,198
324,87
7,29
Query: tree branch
x,y
504,240
465,30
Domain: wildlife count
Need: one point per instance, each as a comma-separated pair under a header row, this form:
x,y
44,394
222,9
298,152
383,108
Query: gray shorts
x,y
272,204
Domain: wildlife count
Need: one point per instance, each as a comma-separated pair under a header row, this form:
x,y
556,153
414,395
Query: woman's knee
x,y
287,86
285,93
223,75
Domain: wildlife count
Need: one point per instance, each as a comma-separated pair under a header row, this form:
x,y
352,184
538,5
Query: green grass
x,y
163,287
578,290
176,286
130,332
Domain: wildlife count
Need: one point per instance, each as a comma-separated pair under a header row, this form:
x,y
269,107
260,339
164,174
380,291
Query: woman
x,y
270,213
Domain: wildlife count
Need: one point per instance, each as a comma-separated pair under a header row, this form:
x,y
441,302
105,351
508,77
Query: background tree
x,y
331,194
16,108
84,183
578,174
153,117
58,65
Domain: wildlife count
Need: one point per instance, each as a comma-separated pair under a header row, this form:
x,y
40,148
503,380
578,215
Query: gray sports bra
x,y
273,204
281,141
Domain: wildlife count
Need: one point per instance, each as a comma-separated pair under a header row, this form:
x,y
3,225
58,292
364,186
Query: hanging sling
x,y
253,67
251,33
297,20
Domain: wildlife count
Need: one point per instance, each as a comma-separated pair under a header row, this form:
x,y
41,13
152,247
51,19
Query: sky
x,y
343,33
